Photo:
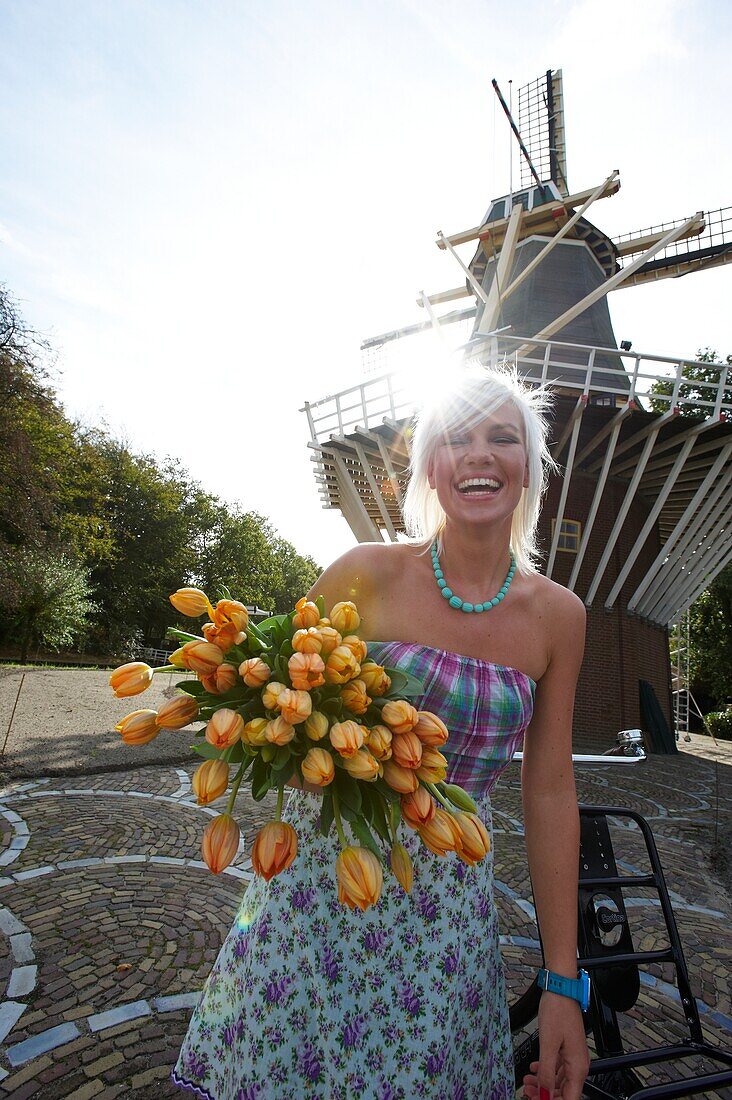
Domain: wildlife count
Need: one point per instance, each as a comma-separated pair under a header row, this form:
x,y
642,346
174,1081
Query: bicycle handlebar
x,y
593,758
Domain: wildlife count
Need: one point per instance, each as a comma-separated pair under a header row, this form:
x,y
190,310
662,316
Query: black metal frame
x,y
614,970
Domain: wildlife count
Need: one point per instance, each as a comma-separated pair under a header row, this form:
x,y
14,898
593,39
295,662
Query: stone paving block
x,y
42,1043
102,1065
22,981
10,1013
22,947
21,1076
91,1088
9,923
148,1076
113,1016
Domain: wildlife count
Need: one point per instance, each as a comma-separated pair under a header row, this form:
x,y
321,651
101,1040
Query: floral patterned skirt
x,y
310,999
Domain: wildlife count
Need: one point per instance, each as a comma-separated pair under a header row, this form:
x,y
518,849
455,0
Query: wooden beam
x,y
642,241
501,275
444,296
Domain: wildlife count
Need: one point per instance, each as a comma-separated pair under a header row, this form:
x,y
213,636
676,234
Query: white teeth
x,y
480,482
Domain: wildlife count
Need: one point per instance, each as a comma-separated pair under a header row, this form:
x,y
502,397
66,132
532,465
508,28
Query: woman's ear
x,y
431,475
526,476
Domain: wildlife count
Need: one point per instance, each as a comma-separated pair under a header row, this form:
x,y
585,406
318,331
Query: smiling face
x,y
479,471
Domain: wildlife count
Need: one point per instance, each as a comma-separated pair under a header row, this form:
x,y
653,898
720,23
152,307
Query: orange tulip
x,y
255,732
399,715
191,602
131,679
401,865
379,742
341,666
356,646
354,697
279,731
330,639
433,767
375,678
345,618
418,808
316,725
255,672
306,671
318,768
346,738
306,614
231,611
201,657
139,727
275,848
402,780
441,834
359,877
406,749
220,842
210,780
362,765
177,713
220,681
295,706
430,729
224,728
307,641
476,843
271,694
224,636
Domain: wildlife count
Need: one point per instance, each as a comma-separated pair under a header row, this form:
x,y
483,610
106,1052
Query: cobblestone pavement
x,y
109,922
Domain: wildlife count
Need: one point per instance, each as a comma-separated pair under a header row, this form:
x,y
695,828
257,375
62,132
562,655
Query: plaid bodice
x,y
486,707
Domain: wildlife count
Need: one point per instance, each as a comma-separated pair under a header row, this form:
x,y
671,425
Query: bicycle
x,y
605,949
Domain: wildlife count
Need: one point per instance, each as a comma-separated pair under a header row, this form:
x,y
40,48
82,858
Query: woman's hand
x,y
563,1056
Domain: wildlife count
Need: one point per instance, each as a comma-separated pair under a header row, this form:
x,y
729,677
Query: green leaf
x,y
326,813
191,687
364,834
403,684
320,604
183,635
378,820
349,790
286,649
203,748
282,758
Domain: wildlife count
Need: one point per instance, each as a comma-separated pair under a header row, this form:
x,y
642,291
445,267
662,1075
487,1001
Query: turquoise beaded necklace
x,y
463,605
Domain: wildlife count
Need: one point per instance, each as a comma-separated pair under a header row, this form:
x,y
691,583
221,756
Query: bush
x,y
719,723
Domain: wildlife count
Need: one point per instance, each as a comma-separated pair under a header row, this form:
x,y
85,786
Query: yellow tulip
x,y
441,834
306,614
418,808
341,666
330,639
220,842
254,672
401,865
295,705
176,658
433,767
210,780
399,715
201,657
362,765
307,641
360,878
131,679
191,602
375,678
306,671
356,646
476,843
430,729
346,738
271,694
139,727
231,611
406,749
275,848
177,712
318,768
380,741
354,697
279,731
345,618
220,681
224,728
254,732
316,725
402,780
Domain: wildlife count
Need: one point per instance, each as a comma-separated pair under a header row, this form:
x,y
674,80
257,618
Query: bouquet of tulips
x,y
294,699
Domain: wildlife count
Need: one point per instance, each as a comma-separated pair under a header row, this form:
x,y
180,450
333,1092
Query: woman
x,y
407,1000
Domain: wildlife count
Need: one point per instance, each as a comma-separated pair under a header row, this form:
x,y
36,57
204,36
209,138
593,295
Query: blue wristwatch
x,y
576,988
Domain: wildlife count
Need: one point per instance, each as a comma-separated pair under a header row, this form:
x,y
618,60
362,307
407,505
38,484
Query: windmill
x,y
639,519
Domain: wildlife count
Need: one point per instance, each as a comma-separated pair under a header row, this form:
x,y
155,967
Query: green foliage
x,y
710,632
47,597
701,385
719,724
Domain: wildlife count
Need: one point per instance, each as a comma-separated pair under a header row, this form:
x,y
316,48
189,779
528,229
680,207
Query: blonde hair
x,y
479,392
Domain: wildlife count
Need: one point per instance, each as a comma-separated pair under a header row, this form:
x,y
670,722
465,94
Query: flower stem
x,y
280,796
167,668
440,797
337,817
235,790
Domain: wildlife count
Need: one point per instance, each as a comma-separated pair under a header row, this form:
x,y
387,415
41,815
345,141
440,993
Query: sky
x,y
207,206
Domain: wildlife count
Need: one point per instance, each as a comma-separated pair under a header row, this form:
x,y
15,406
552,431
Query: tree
x,y
701,385
47,597
710,633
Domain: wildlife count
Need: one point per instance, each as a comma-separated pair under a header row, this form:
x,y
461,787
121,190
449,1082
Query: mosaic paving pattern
x,y
109,922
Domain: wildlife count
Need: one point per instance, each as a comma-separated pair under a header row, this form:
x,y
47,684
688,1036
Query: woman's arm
x,y
551,822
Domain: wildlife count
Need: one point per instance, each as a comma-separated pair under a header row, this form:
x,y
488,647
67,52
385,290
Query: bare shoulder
x,y
562,613
362,571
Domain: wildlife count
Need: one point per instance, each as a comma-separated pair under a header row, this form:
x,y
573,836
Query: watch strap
x,y
576,988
